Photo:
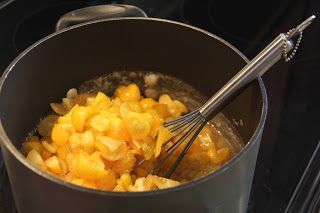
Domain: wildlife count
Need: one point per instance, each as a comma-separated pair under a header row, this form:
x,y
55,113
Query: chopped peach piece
x,y
59,135
35,158
50,147
100,102
63,151
117,129
79,116
147,103
137,124
129,93
87,141
163,135
111,149
53,164
162,110
126,107
84,167
108,182
100,123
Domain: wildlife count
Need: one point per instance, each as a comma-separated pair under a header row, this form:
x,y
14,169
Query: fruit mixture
x,y
95,141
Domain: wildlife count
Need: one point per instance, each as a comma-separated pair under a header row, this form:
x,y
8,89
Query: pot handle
x,y
98,12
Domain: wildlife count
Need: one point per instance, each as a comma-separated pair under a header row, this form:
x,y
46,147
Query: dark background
x,y
292,128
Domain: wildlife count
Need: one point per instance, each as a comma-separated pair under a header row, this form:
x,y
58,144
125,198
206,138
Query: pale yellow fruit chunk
x,y
35,158
163,135
137,124
53,164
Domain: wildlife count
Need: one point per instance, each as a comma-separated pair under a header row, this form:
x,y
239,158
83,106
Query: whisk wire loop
x,y
185,150
175,146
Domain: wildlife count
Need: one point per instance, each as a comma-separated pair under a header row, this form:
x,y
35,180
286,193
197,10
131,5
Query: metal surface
x,y
301,27
99,12
294,32
295,48
306,194
46,60
255,68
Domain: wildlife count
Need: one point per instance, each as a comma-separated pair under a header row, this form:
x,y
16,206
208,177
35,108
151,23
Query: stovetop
x,y
291,133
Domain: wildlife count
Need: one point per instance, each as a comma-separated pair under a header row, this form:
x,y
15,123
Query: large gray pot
x,y
43,73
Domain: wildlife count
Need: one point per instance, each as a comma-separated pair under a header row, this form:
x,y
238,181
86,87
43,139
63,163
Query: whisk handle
x,y
279,47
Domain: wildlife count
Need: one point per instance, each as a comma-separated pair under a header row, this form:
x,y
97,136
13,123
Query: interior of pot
x,y
68,59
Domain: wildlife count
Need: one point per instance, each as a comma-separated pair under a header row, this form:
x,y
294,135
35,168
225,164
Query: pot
x,y
67,58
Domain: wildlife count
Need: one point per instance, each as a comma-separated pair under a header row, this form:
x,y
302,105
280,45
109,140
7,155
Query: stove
x,y
287,175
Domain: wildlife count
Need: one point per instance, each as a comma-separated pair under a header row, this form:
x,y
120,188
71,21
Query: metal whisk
x,y
192,123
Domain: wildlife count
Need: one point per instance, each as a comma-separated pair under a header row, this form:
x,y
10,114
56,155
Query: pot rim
x,y
16,153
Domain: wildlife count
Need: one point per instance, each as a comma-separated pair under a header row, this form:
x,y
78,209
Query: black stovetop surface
x,y
292,129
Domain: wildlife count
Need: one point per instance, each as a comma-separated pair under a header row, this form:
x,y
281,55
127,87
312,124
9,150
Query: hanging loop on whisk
x,y
296,46
292,33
